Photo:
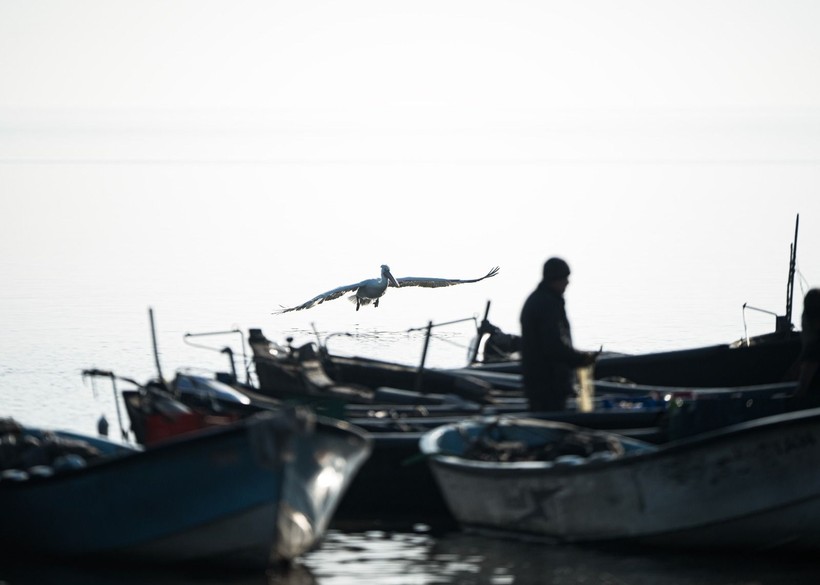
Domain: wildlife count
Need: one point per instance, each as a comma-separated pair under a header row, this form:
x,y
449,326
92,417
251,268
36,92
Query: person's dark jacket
x,y
548,359
809,379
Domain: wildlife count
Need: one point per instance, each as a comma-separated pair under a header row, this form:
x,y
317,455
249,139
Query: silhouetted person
x,y
548,359
808,381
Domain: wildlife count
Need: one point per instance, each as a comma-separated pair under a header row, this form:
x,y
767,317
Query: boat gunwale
x,y
428,445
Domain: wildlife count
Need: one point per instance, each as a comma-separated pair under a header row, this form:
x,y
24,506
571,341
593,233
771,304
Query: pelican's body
x,y
370,290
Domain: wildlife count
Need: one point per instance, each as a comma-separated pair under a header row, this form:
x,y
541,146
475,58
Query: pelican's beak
x,y
392,280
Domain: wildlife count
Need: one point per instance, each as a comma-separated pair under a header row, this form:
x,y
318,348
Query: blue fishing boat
x,y
249,494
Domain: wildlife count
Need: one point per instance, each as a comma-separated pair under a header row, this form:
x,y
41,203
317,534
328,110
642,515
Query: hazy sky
x,y
321,139
379,54
398,81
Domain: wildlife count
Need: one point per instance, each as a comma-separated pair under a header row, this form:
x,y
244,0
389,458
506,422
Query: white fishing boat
x,y
750,486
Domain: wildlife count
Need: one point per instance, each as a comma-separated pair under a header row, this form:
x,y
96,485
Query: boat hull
x,y
251,494
766,359
753,485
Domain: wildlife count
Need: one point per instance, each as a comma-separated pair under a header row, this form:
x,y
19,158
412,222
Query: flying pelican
x,y
372,289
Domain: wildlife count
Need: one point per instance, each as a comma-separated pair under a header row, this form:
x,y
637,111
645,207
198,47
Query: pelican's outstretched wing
x,y
436,282
319,299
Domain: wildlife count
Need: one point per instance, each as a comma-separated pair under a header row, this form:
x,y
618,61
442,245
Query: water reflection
x,y
416,556
462,559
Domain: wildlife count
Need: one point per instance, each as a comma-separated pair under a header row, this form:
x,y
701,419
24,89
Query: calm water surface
x,y
416,557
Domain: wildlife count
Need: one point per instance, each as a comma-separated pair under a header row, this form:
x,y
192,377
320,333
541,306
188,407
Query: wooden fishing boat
x,y
394,486
750,486
763,359
250,494
705,387
311,372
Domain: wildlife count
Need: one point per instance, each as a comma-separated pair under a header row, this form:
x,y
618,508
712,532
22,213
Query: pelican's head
x,y
386,274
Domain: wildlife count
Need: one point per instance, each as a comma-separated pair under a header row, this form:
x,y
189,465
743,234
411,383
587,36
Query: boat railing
x,y
227,350
102,423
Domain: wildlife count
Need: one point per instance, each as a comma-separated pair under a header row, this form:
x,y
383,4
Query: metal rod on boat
x,y
420,371
431,324
480,334
154,342
226,332
748,306
790,283
123,433
93,373
227,350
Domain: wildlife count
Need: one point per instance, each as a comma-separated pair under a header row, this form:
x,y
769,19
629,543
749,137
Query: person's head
x,y
811,306
556,274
